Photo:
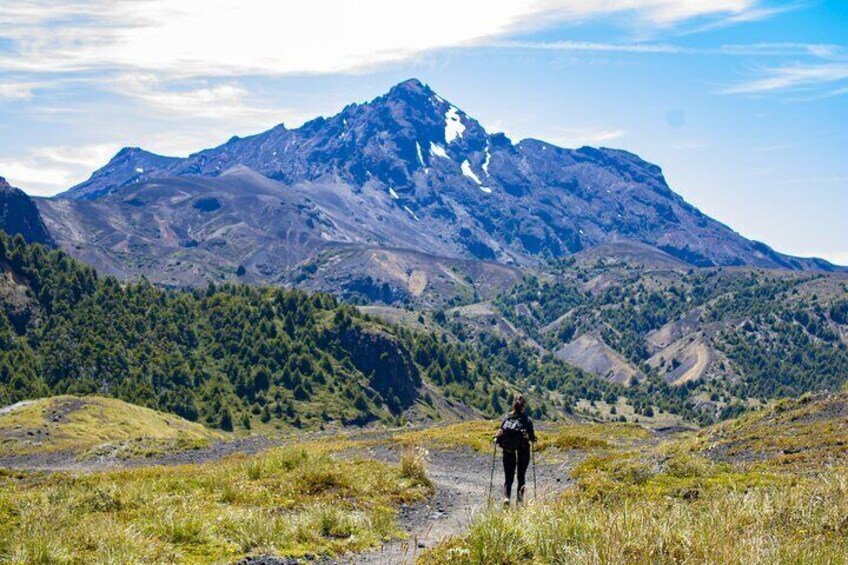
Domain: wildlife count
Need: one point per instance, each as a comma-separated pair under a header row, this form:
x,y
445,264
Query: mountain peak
x,y
129,153
412,92
410,84
128,166
414,162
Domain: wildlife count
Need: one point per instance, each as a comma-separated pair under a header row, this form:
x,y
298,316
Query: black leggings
x,y
511,460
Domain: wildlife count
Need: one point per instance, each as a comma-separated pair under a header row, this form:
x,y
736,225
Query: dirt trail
x,y
71,461
461,481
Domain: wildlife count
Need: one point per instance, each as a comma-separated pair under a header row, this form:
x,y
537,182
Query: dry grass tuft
x,y
413,465
760,525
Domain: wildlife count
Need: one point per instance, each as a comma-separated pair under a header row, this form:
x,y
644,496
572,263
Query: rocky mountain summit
x,y
408,172
18,215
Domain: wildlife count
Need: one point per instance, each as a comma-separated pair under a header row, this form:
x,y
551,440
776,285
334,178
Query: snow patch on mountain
x,y
438,151
393,194
487,160
486,189
411,213
466,170
454,128
420,157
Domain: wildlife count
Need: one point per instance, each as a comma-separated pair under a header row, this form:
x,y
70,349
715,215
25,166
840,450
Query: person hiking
x,y
514,438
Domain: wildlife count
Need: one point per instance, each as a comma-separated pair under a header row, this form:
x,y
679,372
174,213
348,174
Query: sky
x,y
743,103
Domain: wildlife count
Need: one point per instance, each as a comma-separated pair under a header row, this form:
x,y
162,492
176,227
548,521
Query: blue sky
x,y
743,103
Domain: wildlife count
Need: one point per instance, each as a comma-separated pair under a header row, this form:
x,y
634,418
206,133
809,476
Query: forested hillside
x,y
222,355
240,355
729,335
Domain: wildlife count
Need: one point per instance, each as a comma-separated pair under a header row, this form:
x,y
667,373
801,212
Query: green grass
x,y
287,501
97,425
476,434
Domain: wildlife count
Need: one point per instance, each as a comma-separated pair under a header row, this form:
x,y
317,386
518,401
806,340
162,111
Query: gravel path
x,y
461,481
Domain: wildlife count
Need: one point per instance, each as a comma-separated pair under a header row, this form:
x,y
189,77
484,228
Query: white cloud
x,y
185,63
16,90
222,102
794,77
579,136
819,50
592,46
225,38
47,170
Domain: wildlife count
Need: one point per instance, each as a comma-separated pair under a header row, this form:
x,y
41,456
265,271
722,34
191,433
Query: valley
x,y
578,274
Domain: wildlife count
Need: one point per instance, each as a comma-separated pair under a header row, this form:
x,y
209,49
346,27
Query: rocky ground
x,y
73,461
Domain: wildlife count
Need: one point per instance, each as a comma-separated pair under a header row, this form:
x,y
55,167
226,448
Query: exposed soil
x,y
71,461
58,414
63,408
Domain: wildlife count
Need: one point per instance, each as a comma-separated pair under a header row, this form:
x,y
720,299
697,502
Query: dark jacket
x,y
528,425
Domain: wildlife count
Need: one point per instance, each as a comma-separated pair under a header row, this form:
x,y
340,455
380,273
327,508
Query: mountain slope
x,y
18,215
407,170
254,356
221,356
188,230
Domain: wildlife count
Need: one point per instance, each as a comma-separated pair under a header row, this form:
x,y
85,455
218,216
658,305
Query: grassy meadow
x,y
287,501
478,435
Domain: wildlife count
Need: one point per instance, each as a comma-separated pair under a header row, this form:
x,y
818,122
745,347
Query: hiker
x,y
514,438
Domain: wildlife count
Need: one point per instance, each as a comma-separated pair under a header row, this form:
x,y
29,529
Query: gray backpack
x,y
514,434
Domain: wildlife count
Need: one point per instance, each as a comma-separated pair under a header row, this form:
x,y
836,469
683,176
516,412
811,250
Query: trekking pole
x,y
533,457
492,477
